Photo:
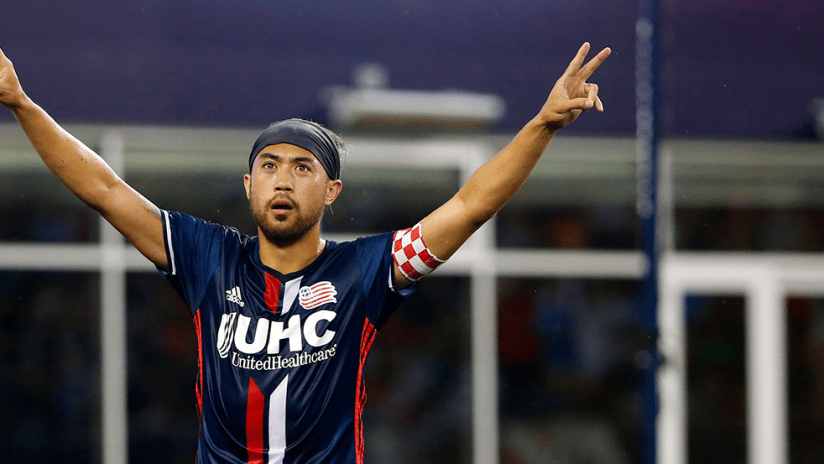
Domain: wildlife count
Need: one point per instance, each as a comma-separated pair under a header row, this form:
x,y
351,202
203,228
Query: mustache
x,y
282,201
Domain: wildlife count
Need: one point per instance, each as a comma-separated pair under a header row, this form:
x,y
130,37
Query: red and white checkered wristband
x,y
411,255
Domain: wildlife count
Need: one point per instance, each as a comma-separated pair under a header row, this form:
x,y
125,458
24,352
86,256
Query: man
x,y
285,320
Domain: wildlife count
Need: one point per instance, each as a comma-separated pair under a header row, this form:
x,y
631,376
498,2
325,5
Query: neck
x,y
292,257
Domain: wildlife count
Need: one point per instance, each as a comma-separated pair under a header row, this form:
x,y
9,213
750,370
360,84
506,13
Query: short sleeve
x,y
193,249
377,277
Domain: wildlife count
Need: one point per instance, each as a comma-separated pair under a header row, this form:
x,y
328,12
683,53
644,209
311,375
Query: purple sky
x,y
733,69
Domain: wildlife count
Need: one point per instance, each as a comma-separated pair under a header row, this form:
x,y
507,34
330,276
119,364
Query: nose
x,y
283,180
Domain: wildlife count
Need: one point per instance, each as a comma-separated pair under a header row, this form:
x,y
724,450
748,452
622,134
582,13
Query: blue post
x,y
647,137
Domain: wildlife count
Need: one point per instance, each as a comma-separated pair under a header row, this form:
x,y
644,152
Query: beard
x,y
283,234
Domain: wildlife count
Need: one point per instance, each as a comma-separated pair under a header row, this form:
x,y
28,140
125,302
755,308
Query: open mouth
x,y
282,205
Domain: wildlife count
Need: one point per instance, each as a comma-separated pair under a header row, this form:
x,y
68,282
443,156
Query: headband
x,y
304,134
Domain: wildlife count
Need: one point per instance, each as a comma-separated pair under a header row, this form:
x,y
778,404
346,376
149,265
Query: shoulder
x,y
194,239
361,245
175,221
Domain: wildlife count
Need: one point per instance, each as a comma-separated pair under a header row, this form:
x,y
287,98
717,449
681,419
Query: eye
x,y
268,165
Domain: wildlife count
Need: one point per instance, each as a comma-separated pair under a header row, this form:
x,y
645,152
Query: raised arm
x,y
494,183
84,172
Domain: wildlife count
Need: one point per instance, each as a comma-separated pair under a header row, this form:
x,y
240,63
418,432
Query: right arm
x,y
496,181
84,172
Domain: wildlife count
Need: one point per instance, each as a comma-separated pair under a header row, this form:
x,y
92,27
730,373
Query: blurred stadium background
x,y
530,346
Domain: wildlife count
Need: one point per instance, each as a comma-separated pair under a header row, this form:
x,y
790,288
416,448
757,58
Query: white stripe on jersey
x,y
168,224
290,292
277,423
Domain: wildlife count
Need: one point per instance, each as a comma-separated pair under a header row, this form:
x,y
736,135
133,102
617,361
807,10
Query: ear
x,y
333,189
247,184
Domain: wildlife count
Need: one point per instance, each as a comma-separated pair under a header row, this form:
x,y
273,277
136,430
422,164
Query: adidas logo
x,y
233,295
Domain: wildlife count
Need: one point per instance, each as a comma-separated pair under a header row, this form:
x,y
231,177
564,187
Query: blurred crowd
x,y
569,349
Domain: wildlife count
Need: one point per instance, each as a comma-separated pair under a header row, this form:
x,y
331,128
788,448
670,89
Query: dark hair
x,y
328,147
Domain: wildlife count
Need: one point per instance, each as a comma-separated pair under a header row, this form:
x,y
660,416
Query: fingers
x,y
593,64
576,62
576,67
587,102
573,106
580,73
592,95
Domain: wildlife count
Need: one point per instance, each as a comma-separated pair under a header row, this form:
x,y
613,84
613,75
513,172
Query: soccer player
x,y
285,319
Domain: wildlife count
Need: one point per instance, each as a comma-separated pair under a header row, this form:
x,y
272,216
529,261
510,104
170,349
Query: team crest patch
x,y
316,295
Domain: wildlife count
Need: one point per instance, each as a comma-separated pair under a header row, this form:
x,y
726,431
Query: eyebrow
x,y
299,159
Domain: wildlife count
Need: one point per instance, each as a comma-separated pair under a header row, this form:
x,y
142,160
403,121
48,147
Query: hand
x,y
571,94
11,93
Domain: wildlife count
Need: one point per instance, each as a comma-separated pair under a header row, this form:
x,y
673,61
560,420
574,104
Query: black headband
x,y
304,134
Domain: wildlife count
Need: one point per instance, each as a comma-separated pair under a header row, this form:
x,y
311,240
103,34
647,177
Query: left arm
x,y
494,183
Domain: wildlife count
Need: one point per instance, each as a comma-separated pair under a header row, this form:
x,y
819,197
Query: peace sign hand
x,y
571,94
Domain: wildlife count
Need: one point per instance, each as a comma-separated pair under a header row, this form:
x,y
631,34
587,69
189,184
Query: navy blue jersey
x,y
280,356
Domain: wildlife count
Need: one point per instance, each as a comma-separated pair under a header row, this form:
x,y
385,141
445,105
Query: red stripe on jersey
x,y
255,403
199,382
367,337
272,293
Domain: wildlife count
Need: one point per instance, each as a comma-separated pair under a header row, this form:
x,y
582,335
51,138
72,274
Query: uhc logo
x,y
261,343
269,335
